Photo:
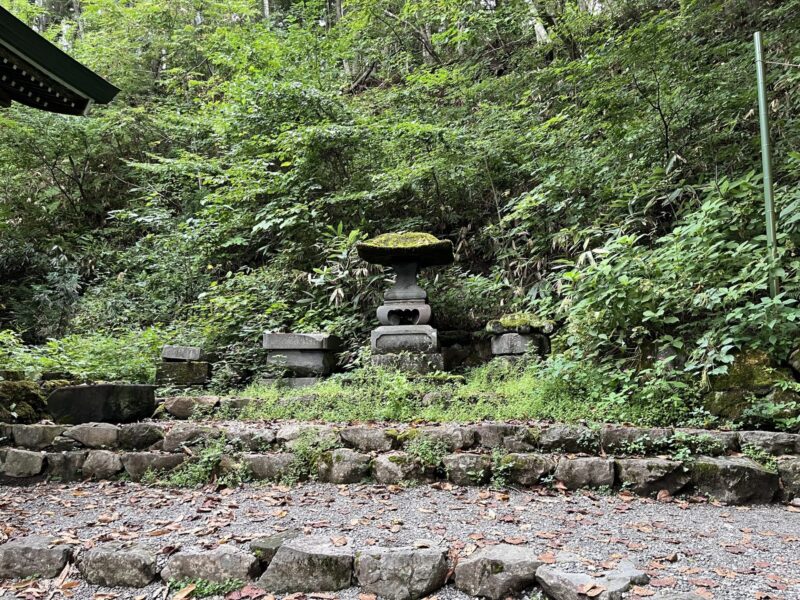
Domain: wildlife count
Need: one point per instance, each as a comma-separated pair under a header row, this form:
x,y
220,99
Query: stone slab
x,y
182,353
300,341
104,403
394,339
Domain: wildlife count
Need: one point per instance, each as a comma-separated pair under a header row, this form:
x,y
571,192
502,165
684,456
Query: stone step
x,y
286,455
295,563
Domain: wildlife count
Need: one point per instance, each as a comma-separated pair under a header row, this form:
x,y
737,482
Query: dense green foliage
x,y
594,168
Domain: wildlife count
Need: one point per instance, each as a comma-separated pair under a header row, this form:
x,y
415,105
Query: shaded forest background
x,y
597,164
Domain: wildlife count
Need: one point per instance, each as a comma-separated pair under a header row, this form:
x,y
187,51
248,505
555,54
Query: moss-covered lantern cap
x,y
392,248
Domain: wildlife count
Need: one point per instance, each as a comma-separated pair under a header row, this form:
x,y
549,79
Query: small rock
x,y
343,466
217,566
113,565
94,435
137,464
710,442
648,476
140,436
569,438
64,444
254,440
183,407
310,564
22,463
497,571
367,439
272,466
734,480
776,443
395,468
265,548
102,464
467,469
528,469
576,473
33,556
35,437
65,466
405,573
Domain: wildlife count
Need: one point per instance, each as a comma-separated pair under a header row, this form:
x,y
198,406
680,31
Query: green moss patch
x,y
392,248
521,322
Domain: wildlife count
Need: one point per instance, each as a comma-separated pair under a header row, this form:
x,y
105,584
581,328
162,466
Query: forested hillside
x,y
594,163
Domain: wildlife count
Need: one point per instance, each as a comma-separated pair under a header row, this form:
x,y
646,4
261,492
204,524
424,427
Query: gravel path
x,y
721,552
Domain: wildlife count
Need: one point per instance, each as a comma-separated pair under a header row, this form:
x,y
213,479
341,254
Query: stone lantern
x,y
405,339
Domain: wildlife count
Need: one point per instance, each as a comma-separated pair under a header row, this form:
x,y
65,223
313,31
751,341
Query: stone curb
x,y
297,563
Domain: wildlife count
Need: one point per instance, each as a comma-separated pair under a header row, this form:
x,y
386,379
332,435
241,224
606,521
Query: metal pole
x,y
766,162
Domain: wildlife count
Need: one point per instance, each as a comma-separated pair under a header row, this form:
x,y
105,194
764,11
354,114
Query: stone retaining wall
x,y
294,563
645,461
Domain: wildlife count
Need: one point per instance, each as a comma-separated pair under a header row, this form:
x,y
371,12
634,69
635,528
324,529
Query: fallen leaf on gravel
x,y
661,582
514,540
547,558
367,597
643,591
703,593
185,592
592,590
339,540
323,596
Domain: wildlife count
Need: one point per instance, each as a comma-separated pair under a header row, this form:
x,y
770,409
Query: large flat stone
x,y
367,439
569,438
183,407
467,469
182,353
527,468
35,437
104,403
452,437
94,435
310,564
140,436
33,556
102,464
774,442
300,341
222,565
187,434
496,572
421,363
634,440
734,480
343,466
571,582
404,573
395,468
516,344
116,564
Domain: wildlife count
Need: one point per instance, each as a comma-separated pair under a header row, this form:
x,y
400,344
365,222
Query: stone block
x,y
634,440
411,363
301,341
303,362
265,548
182,353
187,434
453,437
773,442
569,438
291,383
528,469
395,468
789,471
497,572
117,565
183,373
22,463
404,573
94,435
343,466
467,469
137,464
271,466
183,407
33,556
102,464
367,439
517,343
394,339
65,466
104,403
140,436
648,476
734,480
576,473
400,312
310,564
218,566
35,437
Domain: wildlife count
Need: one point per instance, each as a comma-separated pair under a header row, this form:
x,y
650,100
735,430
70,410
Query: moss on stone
x,y
751,370
399,459
23,399
519,322
392,248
